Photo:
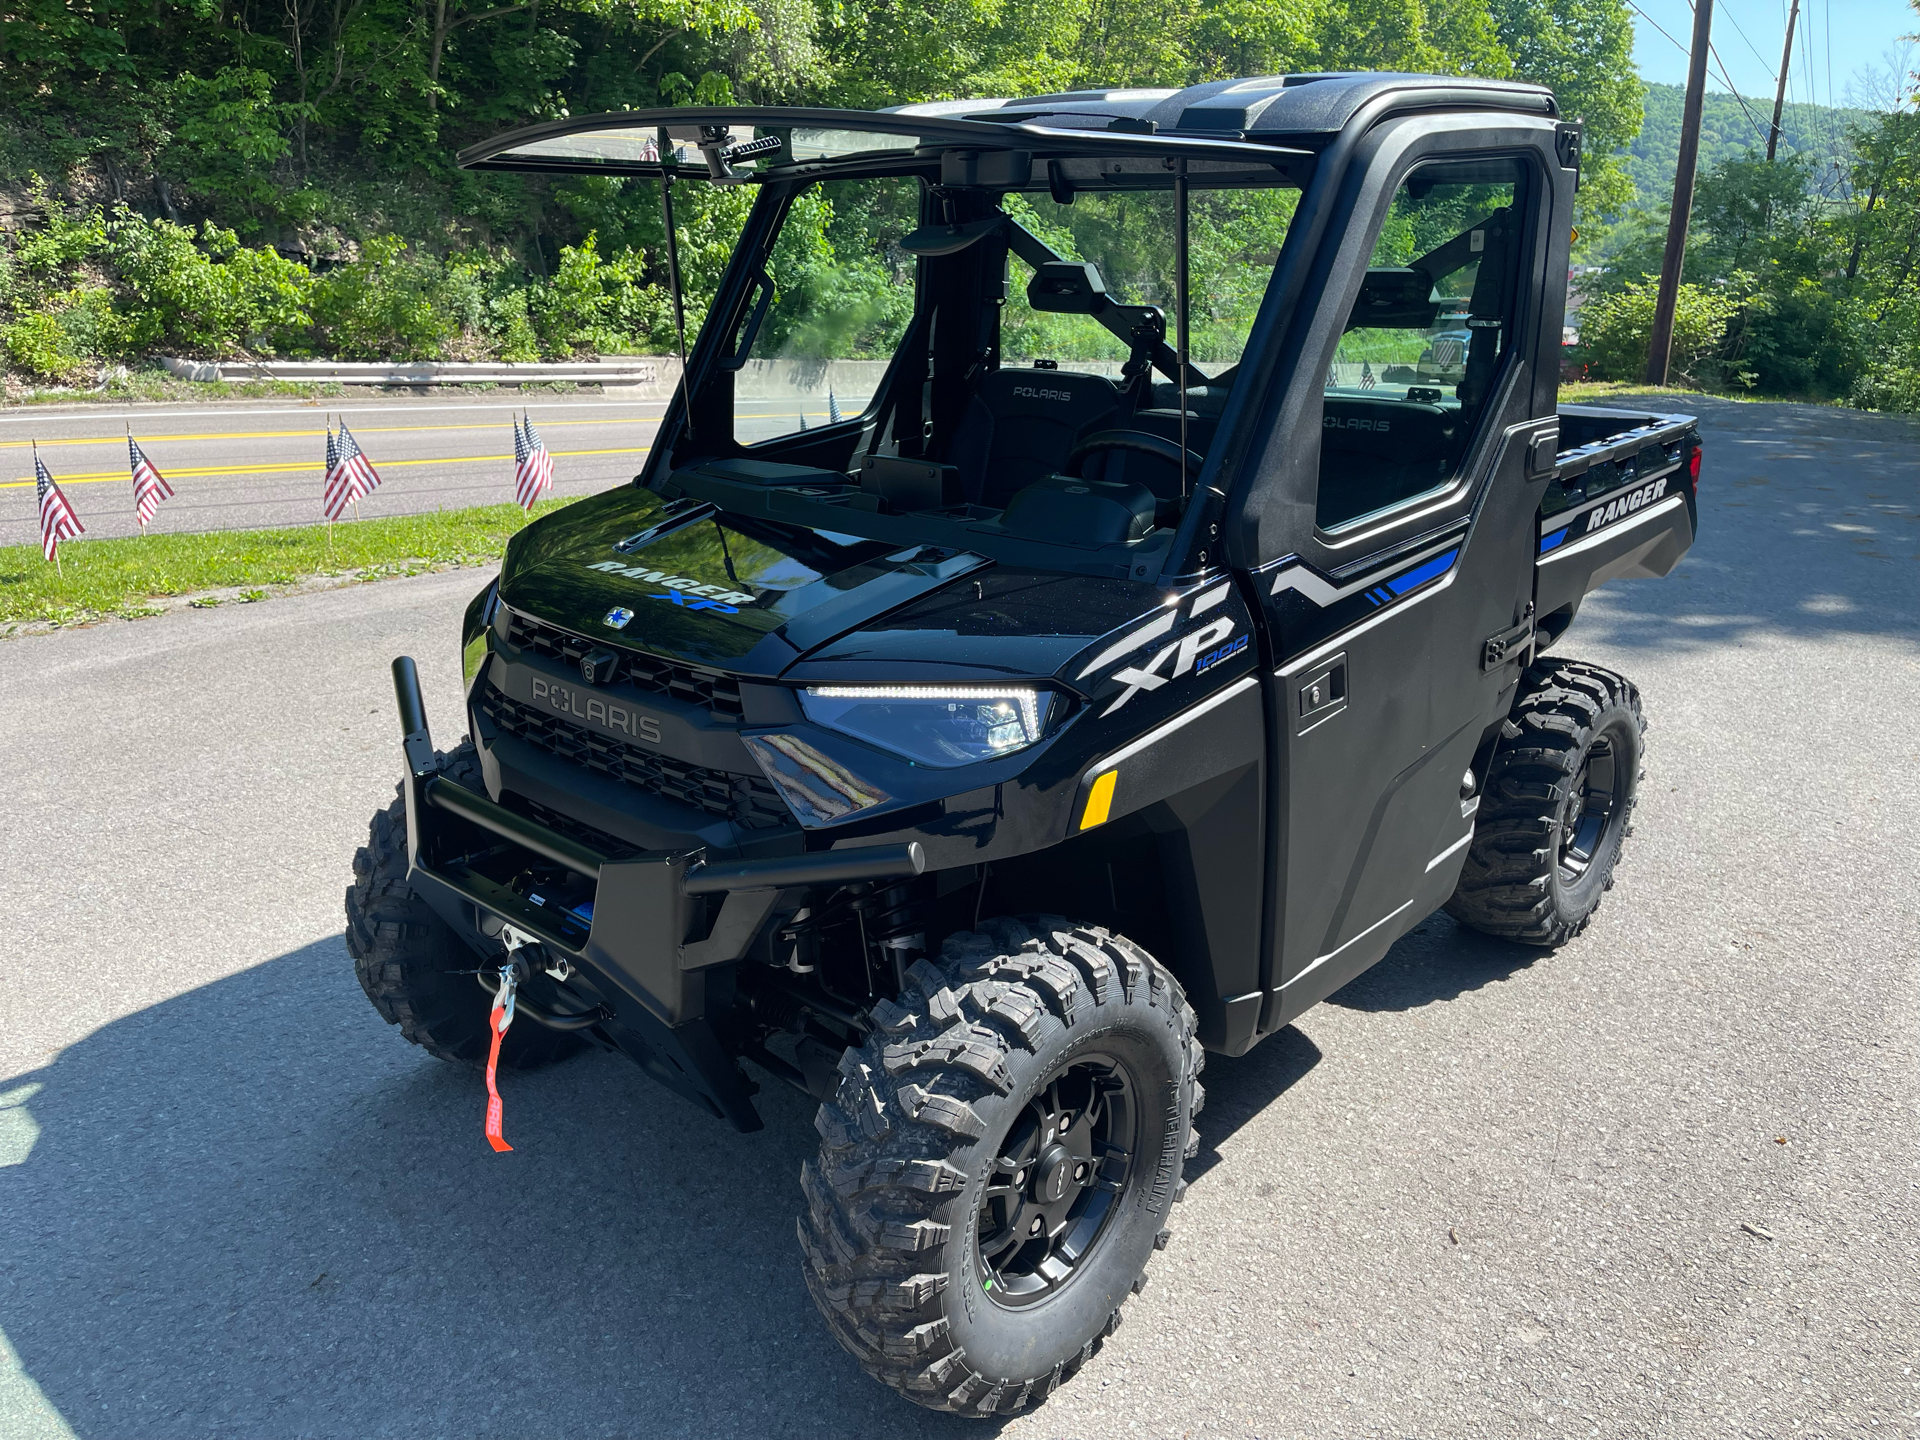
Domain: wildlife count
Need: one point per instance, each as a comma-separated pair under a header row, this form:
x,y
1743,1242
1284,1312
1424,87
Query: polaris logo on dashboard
x,y
1626,504
566,700
1334,422
1030,392
717,597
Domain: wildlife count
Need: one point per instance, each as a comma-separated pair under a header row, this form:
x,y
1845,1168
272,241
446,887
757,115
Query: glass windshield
x,y
842,296
1234,237
640,145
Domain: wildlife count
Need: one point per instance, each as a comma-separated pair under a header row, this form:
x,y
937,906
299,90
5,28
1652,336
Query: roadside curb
x,y
236,595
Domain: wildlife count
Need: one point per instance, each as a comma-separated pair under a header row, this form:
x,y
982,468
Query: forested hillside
x,y
230,177
1729,130
212,176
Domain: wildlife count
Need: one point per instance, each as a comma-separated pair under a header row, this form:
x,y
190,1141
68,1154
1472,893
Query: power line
x,y
1752,119
1743,35
1656,25
1731,88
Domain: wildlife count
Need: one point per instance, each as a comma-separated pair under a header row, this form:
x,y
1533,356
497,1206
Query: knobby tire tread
x,y
1506,886
879,1200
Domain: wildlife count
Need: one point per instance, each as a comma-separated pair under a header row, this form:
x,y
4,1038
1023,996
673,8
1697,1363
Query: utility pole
x,y
1660,344
1780,94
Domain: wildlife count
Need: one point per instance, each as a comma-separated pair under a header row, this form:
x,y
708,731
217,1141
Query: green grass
x,y
124,577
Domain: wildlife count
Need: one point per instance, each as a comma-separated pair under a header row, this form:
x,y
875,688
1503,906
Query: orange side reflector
x,y
1099,800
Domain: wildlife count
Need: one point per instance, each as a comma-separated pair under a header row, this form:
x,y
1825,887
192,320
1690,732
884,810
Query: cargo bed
x,y
1621,504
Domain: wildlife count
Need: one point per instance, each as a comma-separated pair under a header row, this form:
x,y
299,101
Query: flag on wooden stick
x,y
149,485
335,491
57,520
353,459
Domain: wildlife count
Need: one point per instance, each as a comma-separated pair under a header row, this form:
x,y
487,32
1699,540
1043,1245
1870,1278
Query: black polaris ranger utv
x,y
1084,603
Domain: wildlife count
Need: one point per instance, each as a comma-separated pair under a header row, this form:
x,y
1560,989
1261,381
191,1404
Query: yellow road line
x,y
314,434
101,477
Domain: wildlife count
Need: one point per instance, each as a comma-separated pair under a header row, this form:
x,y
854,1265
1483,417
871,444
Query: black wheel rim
x,y
1056,1184
1588,813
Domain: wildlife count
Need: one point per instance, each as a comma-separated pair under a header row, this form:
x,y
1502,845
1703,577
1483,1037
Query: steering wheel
x,y
1138,441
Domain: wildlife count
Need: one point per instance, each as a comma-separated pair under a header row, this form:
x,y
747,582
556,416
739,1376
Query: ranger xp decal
x,y
1602,514
691,593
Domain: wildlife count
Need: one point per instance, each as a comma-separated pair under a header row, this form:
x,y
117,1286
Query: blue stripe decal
x,y
1547,542
1415,578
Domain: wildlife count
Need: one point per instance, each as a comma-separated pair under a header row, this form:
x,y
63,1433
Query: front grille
x,y
719,694
747,800
591,837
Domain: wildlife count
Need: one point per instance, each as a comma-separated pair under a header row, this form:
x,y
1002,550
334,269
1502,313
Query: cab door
x,y
1406,547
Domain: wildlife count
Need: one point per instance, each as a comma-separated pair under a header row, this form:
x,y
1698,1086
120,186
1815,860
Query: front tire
x,y
409,960
999,1163
1556,806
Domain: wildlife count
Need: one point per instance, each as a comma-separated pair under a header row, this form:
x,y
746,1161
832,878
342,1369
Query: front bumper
x,y
647,938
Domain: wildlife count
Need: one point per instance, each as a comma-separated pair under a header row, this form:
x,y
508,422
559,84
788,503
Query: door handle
x,y
1323,694
1543,453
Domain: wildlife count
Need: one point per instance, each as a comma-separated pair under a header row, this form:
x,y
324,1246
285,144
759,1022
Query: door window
x,y
1426,340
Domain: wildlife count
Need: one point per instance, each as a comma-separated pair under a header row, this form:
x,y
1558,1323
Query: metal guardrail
x,y
657,373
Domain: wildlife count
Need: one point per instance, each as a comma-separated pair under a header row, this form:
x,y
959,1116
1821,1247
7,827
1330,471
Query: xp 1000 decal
x,y
1216,629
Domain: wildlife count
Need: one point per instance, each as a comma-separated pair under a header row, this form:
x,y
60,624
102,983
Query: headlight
x,y
939,725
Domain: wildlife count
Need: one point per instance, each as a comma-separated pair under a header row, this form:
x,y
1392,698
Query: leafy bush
x,y
1891,378
203,294
1615,331
392,304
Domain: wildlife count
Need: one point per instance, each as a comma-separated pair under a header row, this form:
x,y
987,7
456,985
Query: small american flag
x,y
532,465
149,485
57,520
833,407
354,459
334,492
349,473
1367,382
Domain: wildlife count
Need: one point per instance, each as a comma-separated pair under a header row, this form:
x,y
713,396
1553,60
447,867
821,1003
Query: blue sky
x,y
1837,47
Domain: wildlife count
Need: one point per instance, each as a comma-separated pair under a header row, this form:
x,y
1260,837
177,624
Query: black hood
x,y
683,580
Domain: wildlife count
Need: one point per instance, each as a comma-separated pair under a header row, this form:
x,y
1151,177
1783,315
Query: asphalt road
x,y
245,464
1480,1192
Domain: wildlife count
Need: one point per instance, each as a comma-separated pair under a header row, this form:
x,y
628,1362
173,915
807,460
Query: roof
x,y
1249,120
1265,105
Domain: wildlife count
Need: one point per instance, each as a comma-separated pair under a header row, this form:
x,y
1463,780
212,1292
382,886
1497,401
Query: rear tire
x,y
999,1162
1556,806
408,958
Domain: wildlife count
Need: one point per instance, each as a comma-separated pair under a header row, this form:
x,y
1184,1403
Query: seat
x,y
1375,453
1020,425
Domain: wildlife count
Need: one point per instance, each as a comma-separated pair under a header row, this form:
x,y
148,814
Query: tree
x,y
1583,51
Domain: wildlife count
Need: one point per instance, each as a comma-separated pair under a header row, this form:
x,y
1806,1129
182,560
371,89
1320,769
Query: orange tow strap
x,y
497,1022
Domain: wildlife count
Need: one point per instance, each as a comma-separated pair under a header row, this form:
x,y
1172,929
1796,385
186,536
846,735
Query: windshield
x,y
1234,237
839,291
842,297
913,356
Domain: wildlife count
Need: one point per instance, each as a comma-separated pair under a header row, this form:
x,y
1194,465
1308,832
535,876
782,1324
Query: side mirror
x,y
1395,299
1067,287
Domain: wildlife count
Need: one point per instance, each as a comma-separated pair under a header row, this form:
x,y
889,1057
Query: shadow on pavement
x,y
1793,498
1240,1087
1439,959
255,1210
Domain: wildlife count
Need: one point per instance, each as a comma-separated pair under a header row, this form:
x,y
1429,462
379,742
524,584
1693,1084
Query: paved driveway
x,y
1479,1192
